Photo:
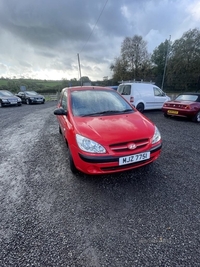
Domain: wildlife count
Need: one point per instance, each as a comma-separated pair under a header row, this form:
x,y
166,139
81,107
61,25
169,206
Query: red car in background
x,y
184,105
103,132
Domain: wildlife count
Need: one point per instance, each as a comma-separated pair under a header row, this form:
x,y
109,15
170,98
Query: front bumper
x,y
179,112
11,103
37,101
110,164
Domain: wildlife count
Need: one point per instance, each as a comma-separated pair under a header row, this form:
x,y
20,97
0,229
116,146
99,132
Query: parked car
x,y
184,105
31,97
144,96
8,99
104,132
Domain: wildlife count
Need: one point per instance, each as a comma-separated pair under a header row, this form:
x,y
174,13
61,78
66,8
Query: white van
x,y
143,96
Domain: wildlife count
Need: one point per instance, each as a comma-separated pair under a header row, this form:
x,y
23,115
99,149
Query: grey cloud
x,y
50,33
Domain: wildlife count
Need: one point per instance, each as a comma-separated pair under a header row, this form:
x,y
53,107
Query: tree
x,y
119,68
134,52
133,62
159,58
85,79
184,62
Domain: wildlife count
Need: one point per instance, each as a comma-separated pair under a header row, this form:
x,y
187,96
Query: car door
x,y
63,121
22,96
159,97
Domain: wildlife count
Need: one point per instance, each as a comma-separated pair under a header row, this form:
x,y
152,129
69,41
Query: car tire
x,y
1,104
27,101
71,163
43,102
60,130
140,107
196,118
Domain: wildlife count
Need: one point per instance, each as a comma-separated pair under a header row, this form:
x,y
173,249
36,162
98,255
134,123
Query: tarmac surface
x,y
51,217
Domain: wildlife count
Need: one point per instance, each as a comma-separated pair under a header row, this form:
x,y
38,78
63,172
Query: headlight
x,y
156,137
89,145
5,100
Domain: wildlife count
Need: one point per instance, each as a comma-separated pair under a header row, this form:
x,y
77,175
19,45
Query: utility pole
x,y
79,65
165,63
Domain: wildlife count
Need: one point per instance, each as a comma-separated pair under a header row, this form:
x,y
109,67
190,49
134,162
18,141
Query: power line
x,y
94,26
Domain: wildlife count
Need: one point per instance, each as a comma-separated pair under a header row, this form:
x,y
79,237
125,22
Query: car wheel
x,y
43,102
196,118
71,163
140,107
1,104
60,130
27,101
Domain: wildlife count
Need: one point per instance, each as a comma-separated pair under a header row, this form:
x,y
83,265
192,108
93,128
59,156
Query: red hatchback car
x,y
104,133
184,105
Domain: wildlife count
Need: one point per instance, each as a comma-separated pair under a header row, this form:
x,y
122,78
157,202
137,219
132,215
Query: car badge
x,y
131,146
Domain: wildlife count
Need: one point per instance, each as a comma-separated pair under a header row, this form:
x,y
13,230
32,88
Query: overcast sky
x,y
41,38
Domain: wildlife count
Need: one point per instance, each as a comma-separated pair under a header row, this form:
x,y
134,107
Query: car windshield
x,y
5,93
187,98
98,103
31,93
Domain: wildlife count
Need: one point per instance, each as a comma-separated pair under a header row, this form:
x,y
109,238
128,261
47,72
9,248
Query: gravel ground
x,y
51,217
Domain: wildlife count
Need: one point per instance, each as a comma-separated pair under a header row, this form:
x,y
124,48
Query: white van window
x,y
124,89
157,91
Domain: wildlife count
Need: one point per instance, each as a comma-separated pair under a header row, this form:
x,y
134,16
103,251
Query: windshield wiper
x,y
107,112
127,110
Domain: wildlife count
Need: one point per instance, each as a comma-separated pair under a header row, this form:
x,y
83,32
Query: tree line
x,y
43,86
173,66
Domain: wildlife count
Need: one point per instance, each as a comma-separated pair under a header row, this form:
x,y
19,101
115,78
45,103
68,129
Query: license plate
x,y
172,112
134,158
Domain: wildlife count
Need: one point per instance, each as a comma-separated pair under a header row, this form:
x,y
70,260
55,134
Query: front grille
x,y
176,106
123,147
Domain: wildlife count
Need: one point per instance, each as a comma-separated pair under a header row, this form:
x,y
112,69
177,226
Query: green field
x,y
3,82
13,85
39,82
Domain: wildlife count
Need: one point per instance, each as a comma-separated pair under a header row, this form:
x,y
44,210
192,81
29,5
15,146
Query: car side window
x,y
125,89
64,102
157,92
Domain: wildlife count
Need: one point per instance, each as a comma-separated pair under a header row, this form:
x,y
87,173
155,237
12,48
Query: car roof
x,y
82,88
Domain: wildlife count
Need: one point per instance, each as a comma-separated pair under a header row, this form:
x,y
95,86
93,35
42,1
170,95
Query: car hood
x,y
118,128
10,97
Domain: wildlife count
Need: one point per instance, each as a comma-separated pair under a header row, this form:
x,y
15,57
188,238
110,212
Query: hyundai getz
x,y
104,132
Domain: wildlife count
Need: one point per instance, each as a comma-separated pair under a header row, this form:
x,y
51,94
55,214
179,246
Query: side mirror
x,y
60,112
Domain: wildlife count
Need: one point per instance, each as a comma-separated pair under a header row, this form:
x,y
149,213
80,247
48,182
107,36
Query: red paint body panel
x,y
114,133
184,108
